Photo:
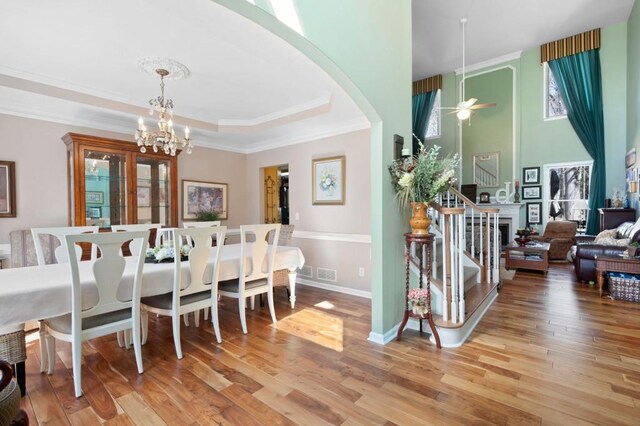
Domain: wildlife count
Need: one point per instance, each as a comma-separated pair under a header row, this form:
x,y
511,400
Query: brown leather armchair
x,y
561,235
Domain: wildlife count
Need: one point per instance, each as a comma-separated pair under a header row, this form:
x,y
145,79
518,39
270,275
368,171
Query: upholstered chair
x,y
560,235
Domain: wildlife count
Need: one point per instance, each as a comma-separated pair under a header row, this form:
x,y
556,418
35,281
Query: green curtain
x,y
580,86
422,106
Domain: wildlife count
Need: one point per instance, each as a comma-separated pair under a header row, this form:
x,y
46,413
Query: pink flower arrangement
x,y
418,297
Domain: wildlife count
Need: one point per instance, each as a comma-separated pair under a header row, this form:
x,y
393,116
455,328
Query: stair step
x,y
473,298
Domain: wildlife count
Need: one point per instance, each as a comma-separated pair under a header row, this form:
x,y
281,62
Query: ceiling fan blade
x,y
480,106
470,102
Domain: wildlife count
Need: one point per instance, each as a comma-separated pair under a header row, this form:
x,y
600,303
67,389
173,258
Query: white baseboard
x,y
383,339
336,288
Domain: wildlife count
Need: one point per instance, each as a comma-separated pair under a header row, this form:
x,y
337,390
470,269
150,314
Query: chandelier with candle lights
x,y
164,139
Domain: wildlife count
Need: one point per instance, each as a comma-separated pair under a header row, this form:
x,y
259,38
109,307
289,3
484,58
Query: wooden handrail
x,y
472,204
446,210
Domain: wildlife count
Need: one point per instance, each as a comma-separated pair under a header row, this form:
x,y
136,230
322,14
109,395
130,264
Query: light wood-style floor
x,y
550,351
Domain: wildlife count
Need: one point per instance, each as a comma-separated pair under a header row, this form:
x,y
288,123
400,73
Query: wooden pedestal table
x,y
614,264
424,244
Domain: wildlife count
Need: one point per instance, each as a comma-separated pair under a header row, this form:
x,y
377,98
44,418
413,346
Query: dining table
x,y
37,292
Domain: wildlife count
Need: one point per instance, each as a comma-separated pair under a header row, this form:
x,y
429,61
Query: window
x,y
567,191
433,126
553,105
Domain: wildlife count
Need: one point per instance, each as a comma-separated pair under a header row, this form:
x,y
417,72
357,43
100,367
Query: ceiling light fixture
x,y
165,138
464,109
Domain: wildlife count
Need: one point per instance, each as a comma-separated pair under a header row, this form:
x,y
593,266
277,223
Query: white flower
x,y
165,253
406,180
184,250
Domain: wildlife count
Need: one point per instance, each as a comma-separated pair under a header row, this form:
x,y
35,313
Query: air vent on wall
x,y
327,274
306,271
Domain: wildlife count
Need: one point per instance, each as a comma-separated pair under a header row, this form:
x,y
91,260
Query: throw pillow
x,y
608,238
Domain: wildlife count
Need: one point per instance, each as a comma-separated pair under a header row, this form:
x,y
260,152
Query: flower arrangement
x,y
328,181
417,301
424,176
167,252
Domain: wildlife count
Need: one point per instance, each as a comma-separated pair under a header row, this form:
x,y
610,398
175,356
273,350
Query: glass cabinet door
x,y
105,183
153,189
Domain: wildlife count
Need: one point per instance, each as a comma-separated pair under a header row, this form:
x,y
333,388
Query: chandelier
x,y
165,138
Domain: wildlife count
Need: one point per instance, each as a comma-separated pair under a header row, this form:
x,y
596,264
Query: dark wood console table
x,y
614,264
423,245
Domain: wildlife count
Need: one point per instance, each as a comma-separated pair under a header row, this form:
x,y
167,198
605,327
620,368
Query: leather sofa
x,y
586,250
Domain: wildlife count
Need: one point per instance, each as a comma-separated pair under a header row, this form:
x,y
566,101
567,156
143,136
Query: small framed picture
x,y
630,158
7,189
530,175
484,198
94,212
531,192
94,197
328,175
534,213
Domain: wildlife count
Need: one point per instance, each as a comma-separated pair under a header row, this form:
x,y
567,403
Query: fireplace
x,y
505,234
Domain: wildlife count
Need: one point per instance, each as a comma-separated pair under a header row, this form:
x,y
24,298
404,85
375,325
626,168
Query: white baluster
x,y
497,245
461,307
445,298
481,239
473,234
453,271
434,262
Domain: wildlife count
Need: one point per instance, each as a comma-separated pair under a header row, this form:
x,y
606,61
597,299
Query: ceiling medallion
x,y
176,70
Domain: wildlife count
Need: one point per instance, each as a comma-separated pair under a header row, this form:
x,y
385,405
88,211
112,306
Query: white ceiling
x,y
74,61
499,27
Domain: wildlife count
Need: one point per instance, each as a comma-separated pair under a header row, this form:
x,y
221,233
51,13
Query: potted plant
x,y
633,249
206,215
417,301
419,180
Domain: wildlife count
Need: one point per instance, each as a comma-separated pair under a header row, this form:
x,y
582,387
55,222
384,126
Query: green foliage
x,y
206,215
423,177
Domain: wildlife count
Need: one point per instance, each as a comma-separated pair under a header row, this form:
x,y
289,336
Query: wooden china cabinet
x,y
112,183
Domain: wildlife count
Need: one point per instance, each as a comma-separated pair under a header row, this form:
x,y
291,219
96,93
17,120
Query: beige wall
x,y
325,226
41,172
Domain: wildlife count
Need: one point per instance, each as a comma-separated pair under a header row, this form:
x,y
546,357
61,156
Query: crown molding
x,y
489,63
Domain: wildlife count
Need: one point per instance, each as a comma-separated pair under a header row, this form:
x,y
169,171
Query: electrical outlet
x,y
297,216
361,271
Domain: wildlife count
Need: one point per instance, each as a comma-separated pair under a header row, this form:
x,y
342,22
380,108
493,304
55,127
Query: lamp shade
x,y
580,205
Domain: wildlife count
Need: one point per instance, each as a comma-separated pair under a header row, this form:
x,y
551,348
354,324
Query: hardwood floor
x,y
549,351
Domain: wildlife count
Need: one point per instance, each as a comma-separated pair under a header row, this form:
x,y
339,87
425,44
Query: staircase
x,y
465,265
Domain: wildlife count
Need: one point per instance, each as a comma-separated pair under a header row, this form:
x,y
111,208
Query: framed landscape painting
x,y
328,180
204,196
7,189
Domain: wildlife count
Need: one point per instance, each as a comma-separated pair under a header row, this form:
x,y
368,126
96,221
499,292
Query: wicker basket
x,y
624,287
13,347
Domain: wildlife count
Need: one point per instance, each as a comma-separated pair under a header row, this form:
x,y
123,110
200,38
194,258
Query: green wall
x,y
633,78
540,141
365,46
490,129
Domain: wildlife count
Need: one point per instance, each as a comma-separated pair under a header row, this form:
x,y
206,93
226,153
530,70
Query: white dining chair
x,y
163,236
60,254
252,279
203,224
200,292
136,227
110,314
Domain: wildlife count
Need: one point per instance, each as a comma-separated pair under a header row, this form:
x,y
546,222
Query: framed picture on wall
x,y
7,189
531,192
328,180
94,212
204,196
94,197
534,213
530,175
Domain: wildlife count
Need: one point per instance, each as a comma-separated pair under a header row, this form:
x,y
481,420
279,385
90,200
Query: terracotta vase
x,y
419,222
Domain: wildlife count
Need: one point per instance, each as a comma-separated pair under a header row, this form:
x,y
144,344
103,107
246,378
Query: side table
x,y
423,243
614,264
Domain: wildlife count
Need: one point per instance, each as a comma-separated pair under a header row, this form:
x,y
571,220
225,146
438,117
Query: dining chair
x,y
133,248
202,224
201,290
61,256
252,279
110,314
163,236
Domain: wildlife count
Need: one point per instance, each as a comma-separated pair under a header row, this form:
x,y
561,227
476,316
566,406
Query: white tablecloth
x,y
39,292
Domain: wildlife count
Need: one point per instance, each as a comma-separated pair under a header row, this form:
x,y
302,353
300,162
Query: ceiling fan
x,y
465,109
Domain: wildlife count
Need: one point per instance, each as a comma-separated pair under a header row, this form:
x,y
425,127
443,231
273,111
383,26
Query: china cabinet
x,y
112,183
